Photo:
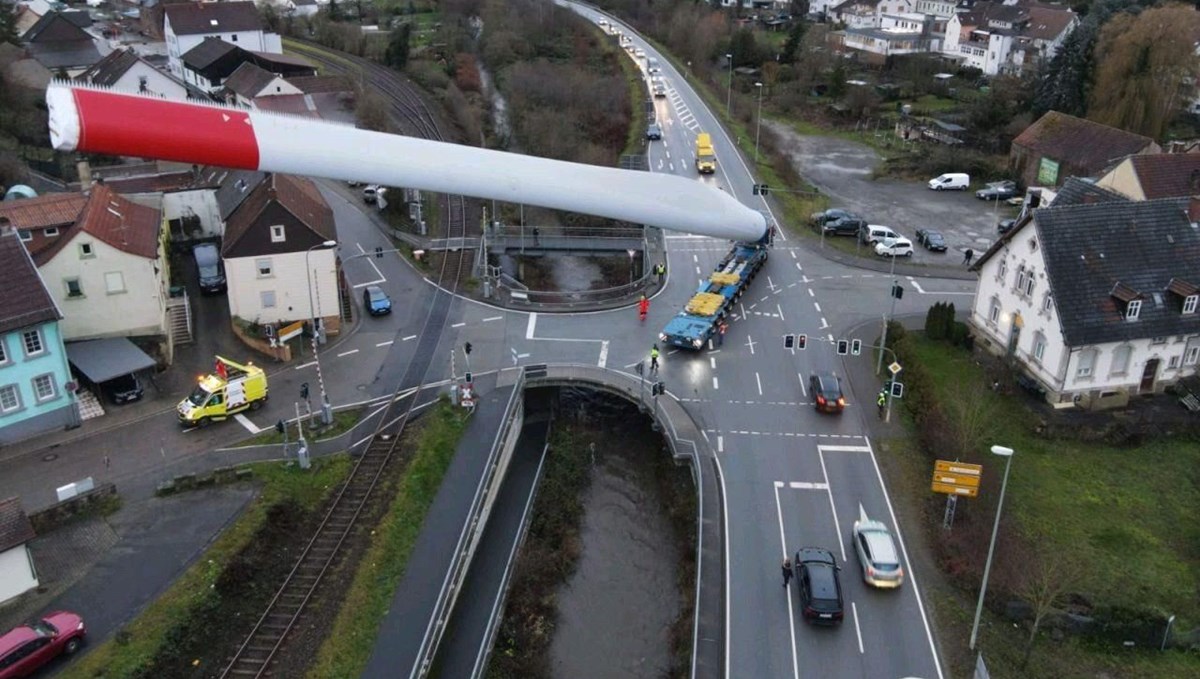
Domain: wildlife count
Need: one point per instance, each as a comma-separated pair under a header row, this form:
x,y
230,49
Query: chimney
x,y
5,226
1193,210
85,173
1194,182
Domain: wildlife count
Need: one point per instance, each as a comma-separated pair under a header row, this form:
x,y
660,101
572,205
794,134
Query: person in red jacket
x,y
643,307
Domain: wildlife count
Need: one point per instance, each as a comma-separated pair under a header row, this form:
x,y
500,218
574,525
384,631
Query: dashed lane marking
x,y
384,344
347,353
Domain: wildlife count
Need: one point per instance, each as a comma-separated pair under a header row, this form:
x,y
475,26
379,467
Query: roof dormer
x,y
1128,299
1185,296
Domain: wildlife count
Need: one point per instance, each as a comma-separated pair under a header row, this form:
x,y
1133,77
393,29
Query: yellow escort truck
x,y
706,158
230,390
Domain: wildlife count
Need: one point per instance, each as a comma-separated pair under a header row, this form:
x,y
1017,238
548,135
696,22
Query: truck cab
x,y
706,157
233,388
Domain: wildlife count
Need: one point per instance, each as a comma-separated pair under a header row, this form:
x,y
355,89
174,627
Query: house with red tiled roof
x,y
187,25
41,221
1058,146
275,266
109,271
17,574
1162,175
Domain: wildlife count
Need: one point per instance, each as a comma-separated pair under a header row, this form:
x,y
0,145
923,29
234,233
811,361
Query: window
x,y
86,251
1189,304
51,232
43,387
1029,285
1120,360
1033,245
74,287
1047,303
1021,276
277,233
10,398
1003,270
114,282
1192,355
3,352
33,342
994,311
25,234
1159,340
233,38
1039,346
263,266
268,299
1132,311
1173,363
1087,362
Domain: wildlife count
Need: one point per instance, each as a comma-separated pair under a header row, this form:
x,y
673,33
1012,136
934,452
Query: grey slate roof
x,y
208,51
206,18
1142,245
15,528
248,80
25,301
1076,191
109,70
234,188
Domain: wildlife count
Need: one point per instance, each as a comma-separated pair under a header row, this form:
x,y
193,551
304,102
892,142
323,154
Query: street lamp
x,y
729,94
758,120
1006,453
315,313
891,313
632,254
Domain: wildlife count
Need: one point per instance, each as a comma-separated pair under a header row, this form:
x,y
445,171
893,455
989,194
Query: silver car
x,y
877,554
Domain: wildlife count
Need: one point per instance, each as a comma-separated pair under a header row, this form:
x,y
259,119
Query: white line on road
x,y
780,310
770,285
245,422
489,319
750,343
720,444
812,293
410,337
805,485
347,353
305,365
384,344
854,612
846,449
791,614
803,392
715,382
793,254
603,354
825,324
532,325
695,259
698,272
374,282
712,362
522,355
458,325
759,381
799,268
818,306
832,507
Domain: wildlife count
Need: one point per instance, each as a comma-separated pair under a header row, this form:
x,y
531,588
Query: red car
x,y
26,648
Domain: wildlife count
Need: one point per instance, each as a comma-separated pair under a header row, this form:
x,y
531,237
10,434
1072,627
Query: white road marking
x,y
698,272
458,325
750,343
818,306
791,614
374,282
846,449
305,365
759,381
695,259
824,324
522,355
532,325
805,485
803,392
245,422
812,293
384,344
770,285
410,337
603,354
720,444
715,382
780,310
830,334
793,254
347,353
381,279
854,612
489,319
799,268
765,298
832,507
712,362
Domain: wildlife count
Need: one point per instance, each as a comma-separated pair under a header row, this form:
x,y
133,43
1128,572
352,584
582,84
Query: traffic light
x,y
789,341
467,378
304,391
856,347
378,252
640,367
801,341
898,291
897,389
467,348
761,189
279,427
658,388
843,347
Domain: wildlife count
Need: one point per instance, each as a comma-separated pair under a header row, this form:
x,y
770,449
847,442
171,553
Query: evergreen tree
x,y
794,39
8,22
398,45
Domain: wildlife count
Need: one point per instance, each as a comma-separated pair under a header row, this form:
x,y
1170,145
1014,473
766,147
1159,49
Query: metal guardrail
x,y
469,538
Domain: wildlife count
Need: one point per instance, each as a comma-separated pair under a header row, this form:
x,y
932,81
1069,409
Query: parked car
x,y
371,193
26,648
846,226
210,268
950,181
997,191
123,389
873,233
826,391
819,585
376,301
894,247
833,213
654,131
1005,226
877,554
932,240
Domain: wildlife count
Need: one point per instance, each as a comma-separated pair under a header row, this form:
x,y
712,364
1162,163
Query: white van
x,y
874,233
951,180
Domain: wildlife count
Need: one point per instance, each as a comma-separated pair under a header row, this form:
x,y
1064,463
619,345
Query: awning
x,y
103,359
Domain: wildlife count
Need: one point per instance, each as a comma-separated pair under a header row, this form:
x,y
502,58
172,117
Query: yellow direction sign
x,y
956,478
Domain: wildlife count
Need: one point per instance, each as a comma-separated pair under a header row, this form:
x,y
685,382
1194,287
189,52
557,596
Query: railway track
x,y
288,608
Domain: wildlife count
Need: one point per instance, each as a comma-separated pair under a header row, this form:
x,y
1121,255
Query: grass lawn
x,y
137,643
930,103
343,421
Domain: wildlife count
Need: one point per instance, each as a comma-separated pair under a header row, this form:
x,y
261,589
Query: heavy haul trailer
x,y
692,327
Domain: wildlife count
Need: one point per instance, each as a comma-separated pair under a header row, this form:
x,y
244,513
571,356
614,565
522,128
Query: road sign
x,y
895,368
956,478
289,331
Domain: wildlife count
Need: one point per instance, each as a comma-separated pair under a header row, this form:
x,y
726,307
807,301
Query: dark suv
x,y
833,213
123,389
846,226
820,588
826,391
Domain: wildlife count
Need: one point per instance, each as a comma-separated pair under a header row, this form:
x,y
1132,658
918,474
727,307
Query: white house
x,y
108,272
250,81
1096,296
275,265
124,70
187,25
997,38
17,573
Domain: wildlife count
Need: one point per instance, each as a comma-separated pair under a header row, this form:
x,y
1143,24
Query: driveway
x,y
843,170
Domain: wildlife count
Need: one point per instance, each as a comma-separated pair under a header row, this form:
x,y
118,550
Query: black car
x,y
123,389
832,214
819,585
826,391
1005,226
846,226
997,191
932,240
653,131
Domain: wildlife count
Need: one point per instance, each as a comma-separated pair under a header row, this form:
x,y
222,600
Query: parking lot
x,y
843,171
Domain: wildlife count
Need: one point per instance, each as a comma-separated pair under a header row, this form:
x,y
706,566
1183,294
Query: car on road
x,y
371,193
997,191
826,390
877,554
846,226
376,301
820,588
894,247
123,389
654,131
950,181
1005,226
819,218
932,240
870,234
660,90
640,52
25,649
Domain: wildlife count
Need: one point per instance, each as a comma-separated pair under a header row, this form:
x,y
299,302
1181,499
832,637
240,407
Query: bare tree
x,y
972,416
1043,583
372,112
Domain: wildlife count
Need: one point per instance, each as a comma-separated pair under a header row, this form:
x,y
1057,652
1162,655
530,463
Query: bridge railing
x,y
589,232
